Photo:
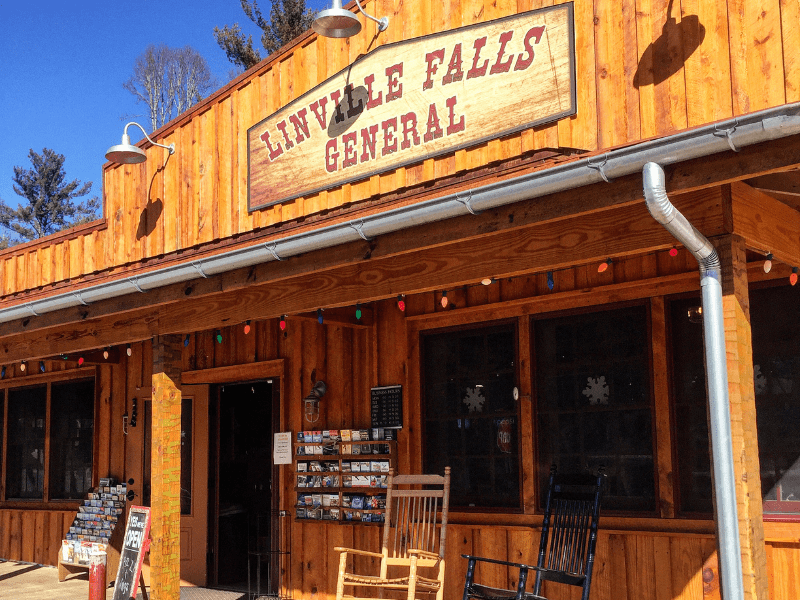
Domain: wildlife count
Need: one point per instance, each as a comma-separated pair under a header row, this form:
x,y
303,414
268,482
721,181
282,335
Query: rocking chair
x,y
566,547
412,557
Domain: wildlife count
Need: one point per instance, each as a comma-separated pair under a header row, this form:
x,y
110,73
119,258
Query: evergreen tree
x,y
50,206
287,20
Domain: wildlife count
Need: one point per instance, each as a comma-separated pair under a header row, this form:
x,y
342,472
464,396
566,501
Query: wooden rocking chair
x,y
567,544
412,557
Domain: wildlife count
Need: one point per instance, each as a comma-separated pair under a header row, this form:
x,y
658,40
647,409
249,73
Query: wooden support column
x,y
741,391
165,553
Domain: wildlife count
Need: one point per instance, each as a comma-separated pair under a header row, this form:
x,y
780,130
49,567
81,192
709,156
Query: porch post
x,y
741,391
165,559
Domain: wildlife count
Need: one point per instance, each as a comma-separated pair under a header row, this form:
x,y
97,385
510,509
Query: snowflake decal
x,y
759,380
596,390
474,399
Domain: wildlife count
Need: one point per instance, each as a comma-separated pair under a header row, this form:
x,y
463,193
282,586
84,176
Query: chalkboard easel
x,y
135,545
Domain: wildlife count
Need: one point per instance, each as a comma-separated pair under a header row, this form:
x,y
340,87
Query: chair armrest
x,y
424,553
361,552
503,562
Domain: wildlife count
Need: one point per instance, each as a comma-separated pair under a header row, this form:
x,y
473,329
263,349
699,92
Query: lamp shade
x,y
125,153
336,22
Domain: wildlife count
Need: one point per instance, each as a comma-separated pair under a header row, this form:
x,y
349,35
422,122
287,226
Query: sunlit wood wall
x,y
641,73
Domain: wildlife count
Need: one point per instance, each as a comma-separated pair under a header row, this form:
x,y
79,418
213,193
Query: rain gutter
x,y
726,516
732,134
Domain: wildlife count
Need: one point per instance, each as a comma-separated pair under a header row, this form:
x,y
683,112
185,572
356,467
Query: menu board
x,y
387,406
134,546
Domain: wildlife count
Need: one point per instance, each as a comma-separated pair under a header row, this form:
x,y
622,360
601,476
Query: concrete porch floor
x,y
26,581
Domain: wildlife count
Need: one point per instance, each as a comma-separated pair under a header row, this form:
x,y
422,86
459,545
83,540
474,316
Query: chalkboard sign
x,y
134,546
387,406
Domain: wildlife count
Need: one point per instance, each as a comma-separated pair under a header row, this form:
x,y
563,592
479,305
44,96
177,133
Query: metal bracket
x,y
199,268
468,203
135,283
728,133
273,249
359,229
598,166
80,298
29,306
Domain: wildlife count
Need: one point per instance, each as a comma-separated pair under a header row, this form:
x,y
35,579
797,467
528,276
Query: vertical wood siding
x,y
723,59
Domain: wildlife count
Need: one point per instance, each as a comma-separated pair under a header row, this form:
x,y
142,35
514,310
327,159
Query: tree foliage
x,y
287,20
169,81
50,198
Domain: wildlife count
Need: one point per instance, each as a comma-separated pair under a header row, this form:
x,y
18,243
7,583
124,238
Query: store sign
x,y
413,100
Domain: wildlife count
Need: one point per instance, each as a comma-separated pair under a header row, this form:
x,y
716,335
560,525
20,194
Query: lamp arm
x,y
171,147
382,23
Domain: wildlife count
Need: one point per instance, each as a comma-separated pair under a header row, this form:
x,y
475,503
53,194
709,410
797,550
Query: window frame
x,y
85,374
478,325
646,303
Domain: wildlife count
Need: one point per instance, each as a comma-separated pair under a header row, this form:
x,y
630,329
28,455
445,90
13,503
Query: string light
x,y
219,336
401,303
444,300
604,265
186,341
3,372
673,252
282,323
247,327
129,350
488,280
23,366
105,353
41,366
768,263
80,361
550,282
793,276
319,316
358,311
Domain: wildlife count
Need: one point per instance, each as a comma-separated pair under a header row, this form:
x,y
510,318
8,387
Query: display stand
x,y
342,485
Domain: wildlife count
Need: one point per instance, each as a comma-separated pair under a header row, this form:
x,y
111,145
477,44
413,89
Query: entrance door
x,y
244,527
194,479
194,483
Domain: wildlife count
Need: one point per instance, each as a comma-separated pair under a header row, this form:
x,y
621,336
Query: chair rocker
x,y
412,556
566,547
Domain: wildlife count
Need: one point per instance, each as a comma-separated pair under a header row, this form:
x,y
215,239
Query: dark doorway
x,y
242,519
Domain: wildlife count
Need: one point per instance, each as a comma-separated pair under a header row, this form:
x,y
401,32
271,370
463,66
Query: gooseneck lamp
x,y
336,22
128,154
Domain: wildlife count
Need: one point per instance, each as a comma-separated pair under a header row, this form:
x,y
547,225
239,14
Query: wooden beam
x,y
622,231
165,559
765,223
741,392
248,372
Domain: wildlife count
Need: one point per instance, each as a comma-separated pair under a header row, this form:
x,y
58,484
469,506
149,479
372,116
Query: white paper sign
x,y
282,449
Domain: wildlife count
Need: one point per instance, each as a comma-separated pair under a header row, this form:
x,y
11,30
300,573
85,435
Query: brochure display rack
x,y
341,475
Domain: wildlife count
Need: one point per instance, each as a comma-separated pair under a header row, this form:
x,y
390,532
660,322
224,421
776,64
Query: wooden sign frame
x,y
416,99
135,544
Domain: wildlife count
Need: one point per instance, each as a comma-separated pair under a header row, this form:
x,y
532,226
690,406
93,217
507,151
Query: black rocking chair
x,y
567,545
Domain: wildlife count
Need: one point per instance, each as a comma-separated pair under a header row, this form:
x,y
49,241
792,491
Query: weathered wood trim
x,y
246,372
662,422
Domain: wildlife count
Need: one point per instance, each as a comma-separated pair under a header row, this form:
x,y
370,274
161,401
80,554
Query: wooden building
x,y
391,167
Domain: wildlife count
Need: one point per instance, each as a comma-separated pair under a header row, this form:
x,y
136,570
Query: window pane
x,y
471,418
26,429
71,439
593,401
690,409
775,319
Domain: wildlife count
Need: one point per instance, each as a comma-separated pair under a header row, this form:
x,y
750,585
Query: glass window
x,y
470,415
775,320
71,437
592,374
27,409
690,411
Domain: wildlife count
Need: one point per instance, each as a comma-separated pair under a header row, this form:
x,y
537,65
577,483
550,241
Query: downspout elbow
x,y
663,211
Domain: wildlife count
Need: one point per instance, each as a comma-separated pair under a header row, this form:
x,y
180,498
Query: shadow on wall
x,y
665,56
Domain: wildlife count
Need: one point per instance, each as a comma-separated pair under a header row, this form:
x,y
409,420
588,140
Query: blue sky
x,y
63,63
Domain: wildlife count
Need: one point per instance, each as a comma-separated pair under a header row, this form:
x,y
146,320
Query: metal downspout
x,y
730,556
